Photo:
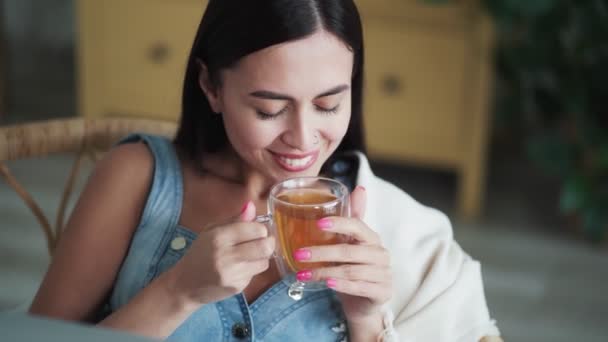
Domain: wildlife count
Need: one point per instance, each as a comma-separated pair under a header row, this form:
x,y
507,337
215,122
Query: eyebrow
x,y
270,95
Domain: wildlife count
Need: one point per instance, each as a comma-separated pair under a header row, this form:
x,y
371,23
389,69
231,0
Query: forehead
x,y
301,67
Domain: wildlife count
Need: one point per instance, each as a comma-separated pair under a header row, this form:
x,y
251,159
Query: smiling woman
x,y
276,110
164,241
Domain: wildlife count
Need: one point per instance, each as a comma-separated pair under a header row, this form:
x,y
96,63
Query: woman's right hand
x,y
222,260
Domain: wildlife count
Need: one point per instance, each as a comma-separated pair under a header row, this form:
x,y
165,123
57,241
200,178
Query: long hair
x,y
232,29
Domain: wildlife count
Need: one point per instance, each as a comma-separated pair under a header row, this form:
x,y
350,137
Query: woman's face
x,y
287,107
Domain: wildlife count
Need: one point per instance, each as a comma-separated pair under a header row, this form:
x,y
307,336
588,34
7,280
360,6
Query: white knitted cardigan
x,y
438,290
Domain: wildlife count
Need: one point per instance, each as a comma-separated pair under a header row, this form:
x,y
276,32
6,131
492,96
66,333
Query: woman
x,y
163,236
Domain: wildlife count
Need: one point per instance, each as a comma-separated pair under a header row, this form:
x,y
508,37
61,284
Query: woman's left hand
x,y
363,277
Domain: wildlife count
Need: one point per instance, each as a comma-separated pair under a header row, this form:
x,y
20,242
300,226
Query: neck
x,y
230,168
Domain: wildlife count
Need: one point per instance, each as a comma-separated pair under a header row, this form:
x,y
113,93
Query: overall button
x,y
178,243
240,330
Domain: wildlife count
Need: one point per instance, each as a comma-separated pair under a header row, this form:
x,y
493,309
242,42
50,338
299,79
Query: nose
x,y
301,135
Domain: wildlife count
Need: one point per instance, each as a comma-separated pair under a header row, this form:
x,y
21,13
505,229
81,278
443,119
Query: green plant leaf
x,y
576,101
552,63
553,154
575,194
595,223
602,157
530,7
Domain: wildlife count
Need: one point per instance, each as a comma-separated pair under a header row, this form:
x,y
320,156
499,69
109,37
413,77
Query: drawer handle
x,y
392,85
158,53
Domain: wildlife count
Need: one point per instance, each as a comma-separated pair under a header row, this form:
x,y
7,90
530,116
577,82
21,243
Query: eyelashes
x,y
271,116
329,111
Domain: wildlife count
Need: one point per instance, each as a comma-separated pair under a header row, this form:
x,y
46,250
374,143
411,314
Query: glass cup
x,y
294,207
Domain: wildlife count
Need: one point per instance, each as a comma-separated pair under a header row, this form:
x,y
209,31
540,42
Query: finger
x,y
232,234
369,273
358,202
344,253
352,227
244,271
252,268
254,250
247,213
376,292
244,215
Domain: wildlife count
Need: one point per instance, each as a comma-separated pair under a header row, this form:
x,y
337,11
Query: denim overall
x,y
159,242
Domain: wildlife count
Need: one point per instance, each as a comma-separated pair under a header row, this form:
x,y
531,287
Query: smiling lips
x,y
295,163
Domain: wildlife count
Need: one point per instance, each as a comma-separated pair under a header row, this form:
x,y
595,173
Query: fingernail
x,y
245,206
302,254
361,187
331,283
325,223
304,275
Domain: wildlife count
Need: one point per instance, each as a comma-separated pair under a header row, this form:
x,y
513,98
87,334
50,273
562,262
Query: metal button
x,y
240,330
178,243
296,291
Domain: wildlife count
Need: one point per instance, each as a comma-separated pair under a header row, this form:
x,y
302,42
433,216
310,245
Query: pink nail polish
x,y
325,223
302,254
304,275
331,283
245,206
361,187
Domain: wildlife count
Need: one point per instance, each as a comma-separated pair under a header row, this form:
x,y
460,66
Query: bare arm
x,y
98,236
154,312
96,240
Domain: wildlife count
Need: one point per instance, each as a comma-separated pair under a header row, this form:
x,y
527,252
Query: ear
x,y
210,90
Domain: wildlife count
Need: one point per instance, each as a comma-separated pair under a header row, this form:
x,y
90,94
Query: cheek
x,y
245,131
336,128
334,132
249,134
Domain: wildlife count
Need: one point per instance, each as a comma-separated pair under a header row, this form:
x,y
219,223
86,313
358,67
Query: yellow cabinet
x,y
427,75
427,88
414,94
132,55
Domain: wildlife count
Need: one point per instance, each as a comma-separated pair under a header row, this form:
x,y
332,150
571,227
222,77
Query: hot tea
x,y
296,214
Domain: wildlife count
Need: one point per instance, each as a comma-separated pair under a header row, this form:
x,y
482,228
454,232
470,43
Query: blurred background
x,y
492,111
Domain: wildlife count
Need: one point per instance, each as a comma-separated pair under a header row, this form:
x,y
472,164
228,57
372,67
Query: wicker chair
x,y
84,137
87,138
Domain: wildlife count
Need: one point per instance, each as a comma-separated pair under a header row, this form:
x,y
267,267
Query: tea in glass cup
x,y
295,205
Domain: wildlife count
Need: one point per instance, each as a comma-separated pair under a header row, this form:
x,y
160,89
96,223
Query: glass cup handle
x,y
267,221
264,219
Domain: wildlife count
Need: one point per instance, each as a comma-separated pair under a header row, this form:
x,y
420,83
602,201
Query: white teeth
x,y
296,162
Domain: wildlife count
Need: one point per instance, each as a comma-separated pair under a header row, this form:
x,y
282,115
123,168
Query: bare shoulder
x,y
123,176
125,161
98,234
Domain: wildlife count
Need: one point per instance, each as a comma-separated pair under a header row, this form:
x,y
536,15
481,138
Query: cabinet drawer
x,y
144,47
414,94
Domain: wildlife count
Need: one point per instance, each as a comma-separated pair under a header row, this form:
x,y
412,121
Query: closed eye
x,y
270,116
327,111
